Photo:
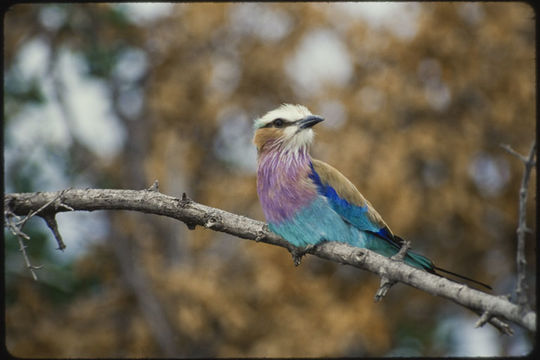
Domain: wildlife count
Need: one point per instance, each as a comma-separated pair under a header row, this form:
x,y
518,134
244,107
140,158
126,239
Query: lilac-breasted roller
x,y
307,201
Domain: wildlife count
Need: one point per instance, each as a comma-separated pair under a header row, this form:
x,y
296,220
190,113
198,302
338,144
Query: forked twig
x,y
16,227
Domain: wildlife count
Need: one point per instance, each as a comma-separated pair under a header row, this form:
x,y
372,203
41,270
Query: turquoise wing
x,y
315,223
347,201
354,209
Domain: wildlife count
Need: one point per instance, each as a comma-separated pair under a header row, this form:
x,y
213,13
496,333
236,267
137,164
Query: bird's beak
x,y
309,121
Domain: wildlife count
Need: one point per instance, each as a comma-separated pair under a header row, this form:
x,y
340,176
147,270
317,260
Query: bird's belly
x,y
317,222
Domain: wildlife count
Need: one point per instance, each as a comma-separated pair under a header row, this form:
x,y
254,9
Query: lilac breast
x,y
283,184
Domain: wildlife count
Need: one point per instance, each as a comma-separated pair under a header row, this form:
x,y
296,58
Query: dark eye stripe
x,y
278,123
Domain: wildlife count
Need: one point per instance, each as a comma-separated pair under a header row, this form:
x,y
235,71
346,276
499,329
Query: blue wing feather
x,y
372,227
354,214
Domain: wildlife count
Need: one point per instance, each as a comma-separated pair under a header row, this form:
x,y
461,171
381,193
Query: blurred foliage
x,y
415,121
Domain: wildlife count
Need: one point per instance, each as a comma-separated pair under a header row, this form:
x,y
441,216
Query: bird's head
x,y
287,128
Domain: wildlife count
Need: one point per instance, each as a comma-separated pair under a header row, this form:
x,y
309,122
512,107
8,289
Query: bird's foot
x,y
387,283
298,252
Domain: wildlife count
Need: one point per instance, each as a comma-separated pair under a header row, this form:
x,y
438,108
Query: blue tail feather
x,y
388,249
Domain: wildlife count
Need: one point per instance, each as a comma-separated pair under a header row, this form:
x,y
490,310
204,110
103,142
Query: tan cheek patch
x,y
262,136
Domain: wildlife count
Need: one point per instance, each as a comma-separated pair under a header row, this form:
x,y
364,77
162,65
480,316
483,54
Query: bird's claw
x,y
298,252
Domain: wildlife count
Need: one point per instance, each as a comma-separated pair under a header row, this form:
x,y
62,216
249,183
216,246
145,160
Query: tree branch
x,y
193,214
521,260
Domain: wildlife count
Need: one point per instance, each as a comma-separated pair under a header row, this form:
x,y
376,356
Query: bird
x,y
307,201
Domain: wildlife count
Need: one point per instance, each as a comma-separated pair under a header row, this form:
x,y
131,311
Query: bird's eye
x,y
278,123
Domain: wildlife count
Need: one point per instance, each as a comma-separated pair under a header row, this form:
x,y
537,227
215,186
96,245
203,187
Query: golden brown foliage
x,y
423,117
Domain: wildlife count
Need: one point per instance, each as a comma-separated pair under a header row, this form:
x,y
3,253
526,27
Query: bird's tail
x,y
420,261
460,276
412,258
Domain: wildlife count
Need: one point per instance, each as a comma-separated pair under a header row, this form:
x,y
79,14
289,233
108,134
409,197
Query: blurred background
x,y
417,97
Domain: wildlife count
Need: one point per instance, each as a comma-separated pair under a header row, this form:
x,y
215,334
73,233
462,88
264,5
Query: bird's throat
x,y
283,183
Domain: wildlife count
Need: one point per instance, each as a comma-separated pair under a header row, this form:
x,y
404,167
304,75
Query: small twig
x,y
402,252
386,283
488,317
21,236
67,207
185,199
510,150
29,266
154,187
521,260
50,220
500,325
